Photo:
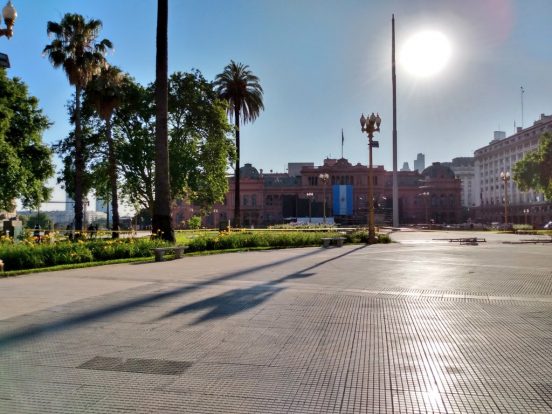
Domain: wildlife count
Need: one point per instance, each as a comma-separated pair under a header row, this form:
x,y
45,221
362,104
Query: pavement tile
x,y
412,327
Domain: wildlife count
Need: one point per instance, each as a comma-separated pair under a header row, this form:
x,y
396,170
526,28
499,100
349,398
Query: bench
x,y
472,241
160,252
336,241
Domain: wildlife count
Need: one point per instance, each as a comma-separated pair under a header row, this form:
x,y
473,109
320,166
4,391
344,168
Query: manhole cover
x,y
138,365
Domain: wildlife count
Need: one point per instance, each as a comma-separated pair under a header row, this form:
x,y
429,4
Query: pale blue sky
x,y
322,63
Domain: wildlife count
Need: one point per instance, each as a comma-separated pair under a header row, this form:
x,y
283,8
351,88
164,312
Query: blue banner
x,y
342,200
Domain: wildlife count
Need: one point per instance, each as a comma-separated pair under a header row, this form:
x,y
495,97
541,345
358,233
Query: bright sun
x,y
426,53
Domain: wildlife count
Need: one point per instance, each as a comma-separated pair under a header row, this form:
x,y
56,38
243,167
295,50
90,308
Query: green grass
x,y
27,257
10,273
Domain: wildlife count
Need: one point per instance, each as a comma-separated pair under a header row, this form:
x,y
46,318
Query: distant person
x,y
36,232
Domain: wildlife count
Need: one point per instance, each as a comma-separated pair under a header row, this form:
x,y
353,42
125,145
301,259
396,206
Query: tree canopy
x,y
534,171
200,144
25,162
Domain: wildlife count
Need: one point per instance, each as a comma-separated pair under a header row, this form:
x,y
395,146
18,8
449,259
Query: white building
x,y
500,156
464,169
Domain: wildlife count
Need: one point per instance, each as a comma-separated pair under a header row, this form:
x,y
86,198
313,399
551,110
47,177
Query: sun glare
x,y
425,53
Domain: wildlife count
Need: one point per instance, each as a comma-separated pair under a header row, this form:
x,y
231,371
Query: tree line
x,y
151,144
121,129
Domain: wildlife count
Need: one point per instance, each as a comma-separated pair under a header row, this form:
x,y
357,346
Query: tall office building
x,y
69,203
500,156
419,163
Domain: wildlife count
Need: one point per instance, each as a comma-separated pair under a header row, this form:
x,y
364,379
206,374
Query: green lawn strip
x,y
149,259
306,243
68,266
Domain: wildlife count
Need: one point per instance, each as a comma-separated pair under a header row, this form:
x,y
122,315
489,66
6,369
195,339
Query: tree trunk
x,y
162,223
112,179
237,212
79,162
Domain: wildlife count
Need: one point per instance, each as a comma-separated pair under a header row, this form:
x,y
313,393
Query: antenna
x,y
522,91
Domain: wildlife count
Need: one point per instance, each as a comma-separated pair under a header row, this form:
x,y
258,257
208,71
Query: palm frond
x,y
242,90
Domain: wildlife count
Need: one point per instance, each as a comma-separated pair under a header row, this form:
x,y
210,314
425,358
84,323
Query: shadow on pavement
x,y
239,300
51,327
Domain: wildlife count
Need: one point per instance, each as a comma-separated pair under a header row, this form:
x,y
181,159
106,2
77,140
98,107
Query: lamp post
x,y
215,214
10,14
324,177
370,125
310,197
425,195
505,176
526,212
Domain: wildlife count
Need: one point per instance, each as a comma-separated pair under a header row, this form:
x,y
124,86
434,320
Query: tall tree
x,y
25,162
104,92
244,94
134,127
91,136
162,222
534,171
200,147
74,49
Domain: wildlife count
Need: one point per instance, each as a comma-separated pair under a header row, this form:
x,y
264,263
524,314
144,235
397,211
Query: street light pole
x,y
370,125
324,177
425,195
526,212
310,196
505,176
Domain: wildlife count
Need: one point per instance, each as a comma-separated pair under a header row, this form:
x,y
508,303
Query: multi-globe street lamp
x,y
505,176
310,196
9,14
370,125
324,178
526,212
425,195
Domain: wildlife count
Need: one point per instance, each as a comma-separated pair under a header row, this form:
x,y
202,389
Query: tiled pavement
x,y
414,327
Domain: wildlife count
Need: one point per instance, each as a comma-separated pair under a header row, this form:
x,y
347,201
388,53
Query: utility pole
x,y
395,178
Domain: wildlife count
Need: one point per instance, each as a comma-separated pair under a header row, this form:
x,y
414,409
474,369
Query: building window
x,y
245,201
254,200
313,180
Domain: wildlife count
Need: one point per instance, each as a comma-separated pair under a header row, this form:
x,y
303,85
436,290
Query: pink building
x,y
276,198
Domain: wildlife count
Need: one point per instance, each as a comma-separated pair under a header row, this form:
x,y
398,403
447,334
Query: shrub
x,y
29,255
245,239
194,222
361,236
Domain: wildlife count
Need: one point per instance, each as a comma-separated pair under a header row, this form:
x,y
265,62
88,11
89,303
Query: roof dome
x,y
248,171
438,171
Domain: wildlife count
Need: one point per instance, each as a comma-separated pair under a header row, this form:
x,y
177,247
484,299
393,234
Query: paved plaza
x,y
416,326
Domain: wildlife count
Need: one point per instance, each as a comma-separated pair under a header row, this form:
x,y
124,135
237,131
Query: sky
x,y
321,64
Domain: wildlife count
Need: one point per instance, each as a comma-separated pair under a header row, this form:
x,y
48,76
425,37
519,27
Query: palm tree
x,y
104,92
162,223
241,89
74,49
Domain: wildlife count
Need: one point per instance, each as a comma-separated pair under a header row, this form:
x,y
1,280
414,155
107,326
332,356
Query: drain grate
x,y
138,365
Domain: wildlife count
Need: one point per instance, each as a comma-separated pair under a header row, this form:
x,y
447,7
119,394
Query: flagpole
x,y
394,79
342,140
